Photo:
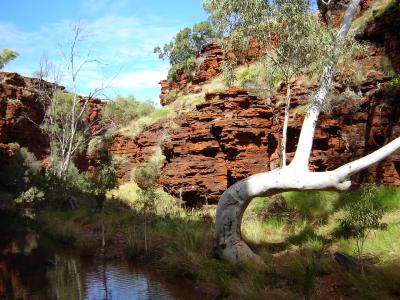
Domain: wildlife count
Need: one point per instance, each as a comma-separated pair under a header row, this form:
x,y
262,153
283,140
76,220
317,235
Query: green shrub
x,y
123,110
74,190
20,172
362,216
385,196
394,84
32,195
103,176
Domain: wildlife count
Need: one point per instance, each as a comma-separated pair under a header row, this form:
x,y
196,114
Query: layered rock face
x,y
135,151
21,114
211,59
19,110
212,56
234,134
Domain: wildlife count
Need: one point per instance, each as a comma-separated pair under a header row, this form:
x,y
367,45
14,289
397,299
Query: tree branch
x,y
358,165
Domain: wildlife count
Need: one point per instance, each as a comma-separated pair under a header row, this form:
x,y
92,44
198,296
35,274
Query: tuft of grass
x,y
217,84
380,244
386,66
258,78
128,193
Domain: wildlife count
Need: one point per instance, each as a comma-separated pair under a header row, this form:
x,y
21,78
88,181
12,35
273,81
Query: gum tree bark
x,y
294,177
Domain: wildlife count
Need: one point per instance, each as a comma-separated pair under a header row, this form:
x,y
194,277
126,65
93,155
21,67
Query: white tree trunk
x,y
295,177
233,202
285,125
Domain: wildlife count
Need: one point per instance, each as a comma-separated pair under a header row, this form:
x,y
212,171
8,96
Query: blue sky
x,y
120,33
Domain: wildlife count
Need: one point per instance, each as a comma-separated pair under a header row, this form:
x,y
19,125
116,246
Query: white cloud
x,y
124,44
141,79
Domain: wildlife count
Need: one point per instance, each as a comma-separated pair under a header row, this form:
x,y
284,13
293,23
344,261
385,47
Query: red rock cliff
x,y
20,112
234,135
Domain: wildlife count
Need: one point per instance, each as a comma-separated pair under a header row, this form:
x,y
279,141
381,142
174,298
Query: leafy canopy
x,y
7,55
288,33
184,48
122,110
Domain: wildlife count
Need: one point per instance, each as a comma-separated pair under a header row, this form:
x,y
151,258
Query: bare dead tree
x,y
65,120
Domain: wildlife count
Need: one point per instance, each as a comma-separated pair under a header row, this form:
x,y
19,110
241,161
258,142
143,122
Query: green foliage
x,y
121,111
362,216
394,84
183,50
171,96
33,195
303,41
7,55
20,172
73,190
386,66
147,175
103,177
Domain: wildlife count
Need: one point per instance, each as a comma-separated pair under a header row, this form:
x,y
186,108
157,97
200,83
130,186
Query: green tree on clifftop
x,y
184,48
7,55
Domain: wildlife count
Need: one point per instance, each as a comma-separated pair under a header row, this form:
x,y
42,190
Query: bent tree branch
x,y
296,176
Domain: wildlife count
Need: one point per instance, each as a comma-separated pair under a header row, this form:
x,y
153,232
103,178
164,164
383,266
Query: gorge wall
x,y
234,134
21,114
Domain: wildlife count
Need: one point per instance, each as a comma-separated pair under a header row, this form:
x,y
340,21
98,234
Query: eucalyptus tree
x,y
295,176
290,37
185,47
7,55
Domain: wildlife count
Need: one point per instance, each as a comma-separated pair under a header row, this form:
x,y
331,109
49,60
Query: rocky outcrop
x,y
212,56
211,60
333,13
234,134
135,151
21,113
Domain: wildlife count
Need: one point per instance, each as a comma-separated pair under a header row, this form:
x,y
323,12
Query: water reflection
x,y
72,279
31,268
